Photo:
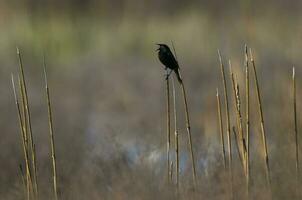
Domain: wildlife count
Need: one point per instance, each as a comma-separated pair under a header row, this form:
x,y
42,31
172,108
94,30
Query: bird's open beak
x,y
158,47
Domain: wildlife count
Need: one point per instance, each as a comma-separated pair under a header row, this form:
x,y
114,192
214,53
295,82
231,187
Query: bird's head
x,y
162,47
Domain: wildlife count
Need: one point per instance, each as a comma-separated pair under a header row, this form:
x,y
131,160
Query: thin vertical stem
x,y
23,136
28,123
247,120
227,113
265,151
171,171
237,104
220,128
296,132
51,132
35,172
236,140
168,125
176,136
188,125
23,181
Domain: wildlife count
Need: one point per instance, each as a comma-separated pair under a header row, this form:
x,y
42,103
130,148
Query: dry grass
x,y
29,177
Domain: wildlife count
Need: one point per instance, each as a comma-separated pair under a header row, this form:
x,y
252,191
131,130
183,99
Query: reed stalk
x,y
247,119
51,133
220,128
168,124
265,151
188,125
176,136
23,136
23,180
28,122
228,128
35,172
237,105
296,133
171,171
236,140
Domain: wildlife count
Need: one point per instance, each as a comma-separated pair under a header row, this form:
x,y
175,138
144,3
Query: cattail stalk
x,y
188,125
23,136
296,132
171,171
247,119
51,132
220,128
176,136
23,181
265,151
168,125
28,122
228,128
237,105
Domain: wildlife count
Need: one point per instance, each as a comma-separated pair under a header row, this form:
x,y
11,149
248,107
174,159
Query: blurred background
x,y
108,91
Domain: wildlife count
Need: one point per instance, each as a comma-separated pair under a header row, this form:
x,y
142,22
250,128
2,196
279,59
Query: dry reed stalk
x,y
265,151
220,128
24,127
51,133
247,118
35,172
236,140
188,125
171,171
176,136
296,132
168,125
23,136
23,180
237,105
28,122
227,113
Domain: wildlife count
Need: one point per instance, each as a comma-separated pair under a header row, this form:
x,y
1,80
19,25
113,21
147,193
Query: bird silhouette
x,y
167,58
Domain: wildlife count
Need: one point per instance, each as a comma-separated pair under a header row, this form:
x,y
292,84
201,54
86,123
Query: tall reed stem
x,y
51,133
247,120
23,181
28,123
237,105
23,136
296,133
176,136
168,125
265,151
227,113
188,125
220,128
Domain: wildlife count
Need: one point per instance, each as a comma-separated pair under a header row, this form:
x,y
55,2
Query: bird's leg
x,y
168,73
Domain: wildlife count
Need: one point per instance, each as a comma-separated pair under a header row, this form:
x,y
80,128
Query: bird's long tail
x,y
178,75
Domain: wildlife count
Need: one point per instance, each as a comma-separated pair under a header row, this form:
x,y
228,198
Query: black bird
x,y
167,58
